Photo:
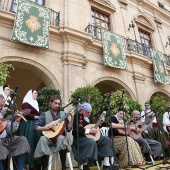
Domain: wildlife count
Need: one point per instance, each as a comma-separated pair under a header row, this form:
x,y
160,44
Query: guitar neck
x,y
98,123
63,118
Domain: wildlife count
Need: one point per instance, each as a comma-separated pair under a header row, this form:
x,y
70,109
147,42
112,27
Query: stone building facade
x,y
75,57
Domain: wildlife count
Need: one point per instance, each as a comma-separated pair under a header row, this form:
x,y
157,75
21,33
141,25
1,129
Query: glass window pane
x,y
14,6
146,42
106,19
93,20
40,2
98,22
142,41
101,17
103,25
96,15
141,34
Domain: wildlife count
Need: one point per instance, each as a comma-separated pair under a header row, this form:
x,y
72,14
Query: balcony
x,y
130,45
137,47
11,6
95,31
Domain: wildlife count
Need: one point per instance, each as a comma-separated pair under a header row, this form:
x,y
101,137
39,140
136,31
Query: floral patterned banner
x,y
32,24
159,65
114,52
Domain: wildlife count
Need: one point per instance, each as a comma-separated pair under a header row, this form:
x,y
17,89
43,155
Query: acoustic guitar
x,y
96,136
124,131
139,124
58,128
8,117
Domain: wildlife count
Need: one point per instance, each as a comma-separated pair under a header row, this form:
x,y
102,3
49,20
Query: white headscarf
x,y
29,99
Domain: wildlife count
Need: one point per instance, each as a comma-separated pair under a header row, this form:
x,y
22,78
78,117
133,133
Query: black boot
x,y
63,158
148,159
44,162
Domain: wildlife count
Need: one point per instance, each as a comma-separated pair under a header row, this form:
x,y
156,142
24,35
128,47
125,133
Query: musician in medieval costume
x,y
46,146
152,131
19,147
134,152
148,146
25,128
89,149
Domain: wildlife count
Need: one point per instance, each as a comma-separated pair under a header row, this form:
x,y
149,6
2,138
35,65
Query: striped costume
x,y
19,144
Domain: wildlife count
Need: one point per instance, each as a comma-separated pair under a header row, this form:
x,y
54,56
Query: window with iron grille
x,y
146,42
99,21
15,3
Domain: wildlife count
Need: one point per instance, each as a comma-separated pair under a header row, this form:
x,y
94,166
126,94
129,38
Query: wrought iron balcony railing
x,y
11,6
137,47
95,31
130,45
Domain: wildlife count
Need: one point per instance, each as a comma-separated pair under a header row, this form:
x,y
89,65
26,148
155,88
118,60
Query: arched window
x,y
145,29
101,12
100,19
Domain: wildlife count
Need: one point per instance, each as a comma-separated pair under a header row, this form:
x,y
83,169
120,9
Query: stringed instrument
x,y
58,127
8,117
139,124
96,136
126,131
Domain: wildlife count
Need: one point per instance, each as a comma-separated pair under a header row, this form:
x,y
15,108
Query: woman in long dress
x,y
26,128
133,153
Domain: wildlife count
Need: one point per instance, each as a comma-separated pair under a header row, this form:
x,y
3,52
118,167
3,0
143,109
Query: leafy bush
x,y
44,95
91,95
119,99
156,101
4,72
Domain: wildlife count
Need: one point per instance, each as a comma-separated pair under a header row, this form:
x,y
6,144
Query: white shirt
x,y
166,121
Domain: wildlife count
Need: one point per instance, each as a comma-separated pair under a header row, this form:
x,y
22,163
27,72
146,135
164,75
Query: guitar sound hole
x,y
139,126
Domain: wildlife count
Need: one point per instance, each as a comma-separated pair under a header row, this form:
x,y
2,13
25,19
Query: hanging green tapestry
x,y
159,65
113,50
32,24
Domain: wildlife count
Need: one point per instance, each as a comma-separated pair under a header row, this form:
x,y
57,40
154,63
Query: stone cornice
x,y
123,3
73,58
139,78
105,5
150,5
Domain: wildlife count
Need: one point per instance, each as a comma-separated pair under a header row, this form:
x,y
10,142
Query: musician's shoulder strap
x,y
48,117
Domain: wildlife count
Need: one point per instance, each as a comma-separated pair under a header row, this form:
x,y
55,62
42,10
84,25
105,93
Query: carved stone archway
x,y
108,84
143,22
162,92
28,74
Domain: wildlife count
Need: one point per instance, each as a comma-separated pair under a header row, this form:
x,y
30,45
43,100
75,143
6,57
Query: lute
x,y
139,124
58,127
96,126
